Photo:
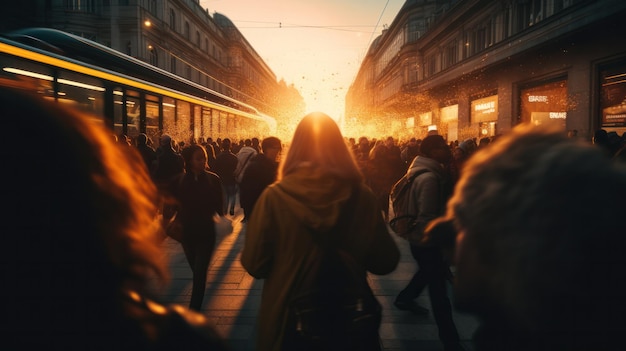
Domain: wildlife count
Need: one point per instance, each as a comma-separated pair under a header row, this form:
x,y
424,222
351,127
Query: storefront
x,y
484,113
613,99
545,103
425,121
449,122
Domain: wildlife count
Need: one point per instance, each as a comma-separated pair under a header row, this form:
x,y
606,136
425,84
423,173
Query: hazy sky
x,y
317,45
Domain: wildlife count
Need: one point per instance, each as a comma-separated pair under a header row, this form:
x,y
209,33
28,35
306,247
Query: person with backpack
x,y
427,197
318,212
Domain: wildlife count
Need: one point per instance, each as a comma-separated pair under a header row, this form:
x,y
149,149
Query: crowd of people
x,y
531,221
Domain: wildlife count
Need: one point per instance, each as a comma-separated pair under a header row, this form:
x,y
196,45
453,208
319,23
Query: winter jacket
x,y
429,193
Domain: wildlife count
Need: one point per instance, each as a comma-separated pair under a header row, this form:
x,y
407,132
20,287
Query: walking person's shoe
x,y
411,306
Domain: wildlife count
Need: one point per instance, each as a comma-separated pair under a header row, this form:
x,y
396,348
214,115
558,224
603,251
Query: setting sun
x,y
316,46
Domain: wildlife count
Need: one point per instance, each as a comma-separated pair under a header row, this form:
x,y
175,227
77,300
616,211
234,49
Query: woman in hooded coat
x,y
315,181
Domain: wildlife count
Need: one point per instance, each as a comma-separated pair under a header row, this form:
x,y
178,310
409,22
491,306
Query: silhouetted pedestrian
x,y
430,191
261,172
316,179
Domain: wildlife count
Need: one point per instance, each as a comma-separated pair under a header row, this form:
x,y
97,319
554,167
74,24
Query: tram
x,y
123,93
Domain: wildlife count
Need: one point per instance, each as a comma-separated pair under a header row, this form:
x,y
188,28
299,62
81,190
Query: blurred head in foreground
x,y
540,250
79,237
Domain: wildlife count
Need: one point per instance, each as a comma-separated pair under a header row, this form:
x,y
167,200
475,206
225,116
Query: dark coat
x,y
278,244
168,164
224,165
199,198
260,173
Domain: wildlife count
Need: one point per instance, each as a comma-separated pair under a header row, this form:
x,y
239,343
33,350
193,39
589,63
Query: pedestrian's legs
x,y
442,308
231,194
424,257
200,252
199,270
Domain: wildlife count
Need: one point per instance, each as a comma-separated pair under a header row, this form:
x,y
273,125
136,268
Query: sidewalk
x,y
232,298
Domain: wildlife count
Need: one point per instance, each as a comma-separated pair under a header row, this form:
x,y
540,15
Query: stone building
x,y
178,36
476,68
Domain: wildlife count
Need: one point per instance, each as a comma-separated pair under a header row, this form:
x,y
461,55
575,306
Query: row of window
x,y
208,48
512,18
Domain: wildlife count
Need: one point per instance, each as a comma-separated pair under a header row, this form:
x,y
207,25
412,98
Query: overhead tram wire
x,y
275,25
376,27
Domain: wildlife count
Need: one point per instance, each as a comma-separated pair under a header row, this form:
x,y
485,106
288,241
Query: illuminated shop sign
x,y
485,109
537,98
545,103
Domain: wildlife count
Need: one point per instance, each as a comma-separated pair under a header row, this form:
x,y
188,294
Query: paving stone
x,y
232,297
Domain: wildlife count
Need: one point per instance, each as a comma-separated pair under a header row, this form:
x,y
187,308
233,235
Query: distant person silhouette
x,y
168,163
261,172
199,199
224,165
79,250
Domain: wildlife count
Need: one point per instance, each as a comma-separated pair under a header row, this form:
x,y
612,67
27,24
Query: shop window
x,y
546,103
613,98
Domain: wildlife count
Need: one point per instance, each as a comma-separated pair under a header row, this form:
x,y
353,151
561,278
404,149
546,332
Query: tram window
x,y
29,74
206,123
223,124
183,121
169,115
118,112
215,124
197,122
83,92
133,111
152,116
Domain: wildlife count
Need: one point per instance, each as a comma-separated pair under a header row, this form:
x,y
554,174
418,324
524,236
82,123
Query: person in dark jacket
x,y
146,150
199,197
260,173
225,165
429,194
168,163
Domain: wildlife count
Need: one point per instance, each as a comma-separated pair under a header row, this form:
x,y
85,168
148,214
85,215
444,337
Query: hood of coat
x,y
314,198
421,162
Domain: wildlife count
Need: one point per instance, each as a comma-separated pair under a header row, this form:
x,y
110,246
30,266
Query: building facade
x,y
178,36
477,68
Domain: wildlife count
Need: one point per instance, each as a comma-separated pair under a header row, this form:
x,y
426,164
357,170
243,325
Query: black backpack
x,y
333,307
403,223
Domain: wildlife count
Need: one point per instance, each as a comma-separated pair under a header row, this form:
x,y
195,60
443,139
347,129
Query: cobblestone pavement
x,y
232,297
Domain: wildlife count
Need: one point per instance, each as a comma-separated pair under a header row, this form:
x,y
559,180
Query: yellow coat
x,y
277,242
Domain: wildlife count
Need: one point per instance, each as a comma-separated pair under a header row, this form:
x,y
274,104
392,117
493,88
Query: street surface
x,y
232,297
